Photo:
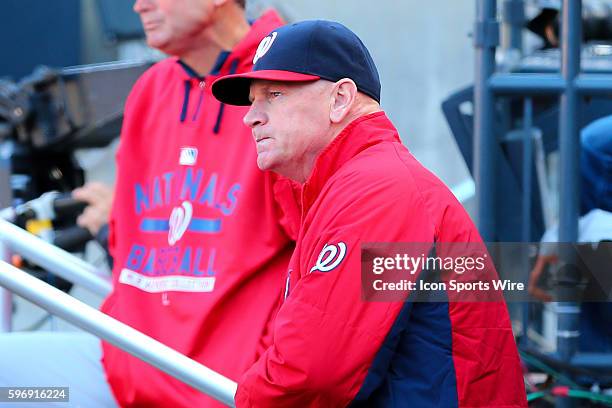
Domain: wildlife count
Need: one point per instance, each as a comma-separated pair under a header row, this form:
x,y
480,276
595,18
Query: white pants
x,y
55,359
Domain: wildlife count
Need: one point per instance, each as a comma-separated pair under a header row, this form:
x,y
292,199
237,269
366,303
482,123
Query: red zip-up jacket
x,y
331,348
199,235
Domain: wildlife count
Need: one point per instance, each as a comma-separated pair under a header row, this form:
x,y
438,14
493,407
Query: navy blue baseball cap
x,y
302,52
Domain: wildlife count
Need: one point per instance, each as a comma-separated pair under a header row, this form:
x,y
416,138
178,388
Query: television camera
x,y
44,119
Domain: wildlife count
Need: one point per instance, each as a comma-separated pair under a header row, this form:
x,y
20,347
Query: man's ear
x,y
343,96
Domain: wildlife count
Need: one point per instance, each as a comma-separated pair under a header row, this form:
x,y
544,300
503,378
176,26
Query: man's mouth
x,y
150,25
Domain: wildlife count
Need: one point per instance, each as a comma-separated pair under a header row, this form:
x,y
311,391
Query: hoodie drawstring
x,y
217,128
185,100
195,114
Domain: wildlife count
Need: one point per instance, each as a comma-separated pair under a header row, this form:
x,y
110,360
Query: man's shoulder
x,y
152,82
164,67
386,163
373,197
374,178
159,72
388,175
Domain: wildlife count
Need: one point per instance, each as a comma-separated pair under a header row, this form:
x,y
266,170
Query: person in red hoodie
x,y
314,96
200,237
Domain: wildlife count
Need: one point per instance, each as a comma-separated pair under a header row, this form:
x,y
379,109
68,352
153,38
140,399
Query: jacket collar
x,y
360,134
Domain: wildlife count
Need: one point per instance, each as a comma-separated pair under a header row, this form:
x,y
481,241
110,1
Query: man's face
x,y
174,25
290,124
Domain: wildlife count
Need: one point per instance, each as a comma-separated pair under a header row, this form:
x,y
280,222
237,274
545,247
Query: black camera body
x,y
51,113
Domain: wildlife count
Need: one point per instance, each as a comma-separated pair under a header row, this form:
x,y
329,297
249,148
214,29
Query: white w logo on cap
x,y
264,47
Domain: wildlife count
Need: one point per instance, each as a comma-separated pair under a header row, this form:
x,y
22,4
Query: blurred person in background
x,y
596,21
594,225
596,165
96,215
199,236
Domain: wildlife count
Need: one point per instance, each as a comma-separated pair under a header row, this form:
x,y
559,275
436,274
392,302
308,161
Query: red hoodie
x,y
199,235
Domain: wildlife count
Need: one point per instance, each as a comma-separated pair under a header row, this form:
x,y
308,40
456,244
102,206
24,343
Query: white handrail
x,y
6,299
118,334
54,259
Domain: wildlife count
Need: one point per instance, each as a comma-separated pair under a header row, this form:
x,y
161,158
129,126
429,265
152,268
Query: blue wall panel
x,y
38,32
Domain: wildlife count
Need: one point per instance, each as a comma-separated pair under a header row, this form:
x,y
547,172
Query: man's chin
x,y
263,164
154,40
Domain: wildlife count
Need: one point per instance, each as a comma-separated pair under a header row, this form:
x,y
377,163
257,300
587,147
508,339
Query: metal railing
x,y
118,334
54,259
90,319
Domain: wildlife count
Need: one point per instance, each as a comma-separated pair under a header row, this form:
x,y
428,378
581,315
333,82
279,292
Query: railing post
x,y
6,198
486,39
6,299
569,134
526,202
527,168
513,19
569,173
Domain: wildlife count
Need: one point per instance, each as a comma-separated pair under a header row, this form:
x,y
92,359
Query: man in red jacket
x,y
314,96
200,237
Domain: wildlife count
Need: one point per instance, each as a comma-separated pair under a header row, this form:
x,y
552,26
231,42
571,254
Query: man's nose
x,y
254,117
142,5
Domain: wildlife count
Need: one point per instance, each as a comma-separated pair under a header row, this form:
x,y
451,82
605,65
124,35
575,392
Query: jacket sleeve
x,y
325,335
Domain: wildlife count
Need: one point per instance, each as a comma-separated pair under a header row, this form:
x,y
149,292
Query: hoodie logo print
x,y
179,221
264,47
330,257
188,156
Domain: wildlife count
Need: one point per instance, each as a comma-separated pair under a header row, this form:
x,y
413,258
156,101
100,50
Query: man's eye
x,y
275,94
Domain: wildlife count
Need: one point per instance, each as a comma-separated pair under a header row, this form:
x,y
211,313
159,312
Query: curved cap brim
x,y
234,89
